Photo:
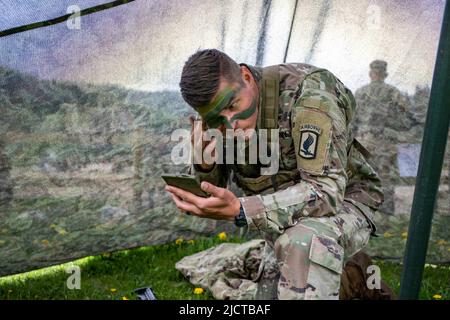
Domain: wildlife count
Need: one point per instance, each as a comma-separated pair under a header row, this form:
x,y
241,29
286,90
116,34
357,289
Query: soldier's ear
x,y
246,75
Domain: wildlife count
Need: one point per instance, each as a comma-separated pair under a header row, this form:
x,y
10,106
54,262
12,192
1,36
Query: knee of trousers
x,y
317,243
322,255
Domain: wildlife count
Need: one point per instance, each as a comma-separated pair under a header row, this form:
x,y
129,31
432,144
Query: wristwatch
x,y
240,220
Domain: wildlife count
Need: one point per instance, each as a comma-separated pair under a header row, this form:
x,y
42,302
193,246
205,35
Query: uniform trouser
x,y
309,256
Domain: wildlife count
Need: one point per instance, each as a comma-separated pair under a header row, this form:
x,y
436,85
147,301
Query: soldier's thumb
x,y
210,188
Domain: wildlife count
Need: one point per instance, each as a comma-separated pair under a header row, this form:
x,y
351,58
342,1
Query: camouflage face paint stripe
x,y
246,113
218,121
218,104
211,113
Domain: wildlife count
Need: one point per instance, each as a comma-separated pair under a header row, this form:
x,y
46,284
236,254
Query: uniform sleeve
x,y
319,130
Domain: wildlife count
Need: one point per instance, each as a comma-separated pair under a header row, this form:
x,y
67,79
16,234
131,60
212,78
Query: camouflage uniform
x,y
382,120
317,210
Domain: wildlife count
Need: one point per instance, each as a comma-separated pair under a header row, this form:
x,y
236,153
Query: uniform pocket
x,y
326,252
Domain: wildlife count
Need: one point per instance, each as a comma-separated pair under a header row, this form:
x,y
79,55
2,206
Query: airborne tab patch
x,y
309,135
312,138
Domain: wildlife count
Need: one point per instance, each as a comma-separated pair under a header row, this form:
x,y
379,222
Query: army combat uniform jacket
x,y
313,103
317,210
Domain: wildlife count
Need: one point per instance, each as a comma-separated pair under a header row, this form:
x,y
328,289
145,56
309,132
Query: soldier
x,y
380,123
317,210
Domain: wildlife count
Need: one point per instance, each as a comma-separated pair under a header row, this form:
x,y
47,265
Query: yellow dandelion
x,y
45,242
405,235
113,290
441,242
222,236
179,241
125,298
198,290
388,234
437,297
191,241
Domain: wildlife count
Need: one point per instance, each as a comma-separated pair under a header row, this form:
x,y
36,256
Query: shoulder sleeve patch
x,y
312,133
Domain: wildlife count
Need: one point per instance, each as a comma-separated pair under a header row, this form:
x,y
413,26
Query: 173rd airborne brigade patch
x,y
312,138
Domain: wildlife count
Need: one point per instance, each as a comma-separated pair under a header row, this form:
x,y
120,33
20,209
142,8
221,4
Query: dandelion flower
x,y
45,242
388,234
191,241
222,236
113,290
179,241
404,235
437,297
198,290
441,242
125,298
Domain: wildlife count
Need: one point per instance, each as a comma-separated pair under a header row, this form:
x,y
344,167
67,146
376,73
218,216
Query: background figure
x,y
382,117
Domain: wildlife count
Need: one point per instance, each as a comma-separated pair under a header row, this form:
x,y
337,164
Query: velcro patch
x,y
312,138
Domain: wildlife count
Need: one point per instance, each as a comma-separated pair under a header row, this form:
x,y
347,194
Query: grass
x,y
114,276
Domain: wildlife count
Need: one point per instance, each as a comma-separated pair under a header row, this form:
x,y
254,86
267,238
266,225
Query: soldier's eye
x,y
234,105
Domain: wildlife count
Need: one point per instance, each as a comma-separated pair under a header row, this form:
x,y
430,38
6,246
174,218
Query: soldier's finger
x,y
215,203
210,149
191,120
185,195
212,189
185,206
197,135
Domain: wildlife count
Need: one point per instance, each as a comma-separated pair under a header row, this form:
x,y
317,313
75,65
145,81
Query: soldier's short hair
x,y
201,76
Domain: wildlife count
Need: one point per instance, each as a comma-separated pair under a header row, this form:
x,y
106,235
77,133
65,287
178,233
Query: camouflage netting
x,y
85,178
81,158
391,124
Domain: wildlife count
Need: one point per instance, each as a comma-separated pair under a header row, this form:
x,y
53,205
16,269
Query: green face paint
x,y
211,112
246,113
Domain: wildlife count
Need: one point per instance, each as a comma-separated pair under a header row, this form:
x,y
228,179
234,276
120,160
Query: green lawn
x,y
114,276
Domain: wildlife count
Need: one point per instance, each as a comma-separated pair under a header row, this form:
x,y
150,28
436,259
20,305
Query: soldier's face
x,y
240,104
374,75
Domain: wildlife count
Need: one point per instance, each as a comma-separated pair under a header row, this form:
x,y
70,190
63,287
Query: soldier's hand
x,y
221,205
198,127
